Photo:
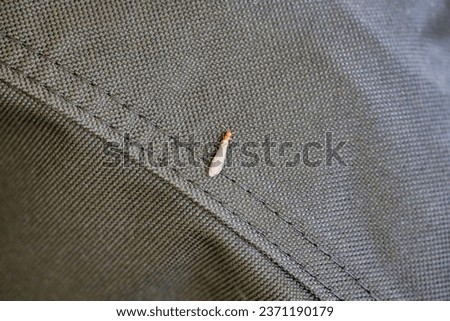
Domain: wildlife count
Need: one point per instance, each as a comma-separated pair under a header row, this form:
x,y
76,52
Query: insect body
x,y
219,159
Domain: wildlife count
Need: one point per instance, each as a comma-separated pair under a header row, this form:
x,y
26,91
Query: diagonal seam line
x,y
251,193
159,128
218,219
221,221
195,185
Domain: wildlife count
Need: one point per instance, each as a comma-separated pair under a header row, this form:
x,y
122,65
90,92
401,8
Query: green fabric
x,y
77,75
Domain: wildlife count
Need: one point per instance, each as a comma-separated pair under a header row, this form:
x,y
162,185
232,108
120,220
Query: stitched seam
x,y
251,194
218,219
159,128
207,193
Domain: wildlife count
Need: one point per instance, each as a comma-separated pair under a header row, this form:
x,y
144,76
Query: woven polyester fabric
x,y
77,75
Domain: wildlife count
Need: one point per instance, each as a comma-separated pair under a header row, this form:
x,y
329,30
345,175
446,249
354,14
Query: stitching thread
x,y
65,99
179,174
296,280
159,128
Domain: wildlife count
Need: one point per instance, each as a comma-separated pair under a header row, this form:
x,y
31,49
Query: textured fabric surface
x,y
75,75
72,229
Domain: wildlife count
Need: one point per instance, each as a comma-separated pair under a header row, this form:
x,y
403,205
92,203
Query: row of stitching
x,y
49,90
157,127
252,194
207,193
